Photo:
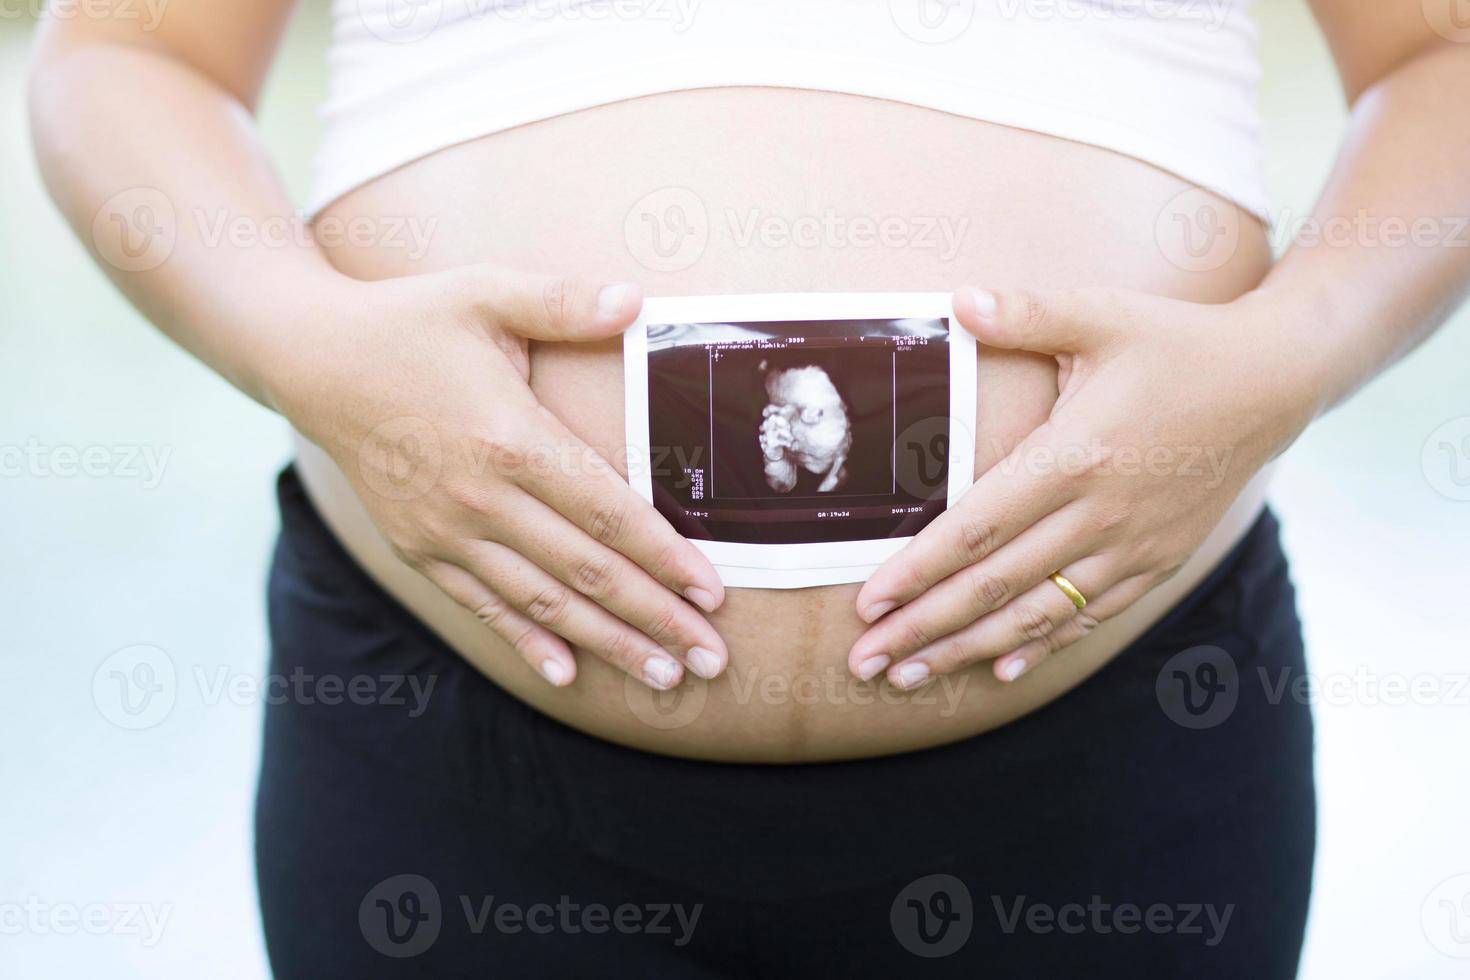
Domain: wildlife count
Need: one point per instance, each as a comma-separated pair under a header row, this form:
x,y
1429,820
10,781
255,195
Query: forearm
x,y
132,141
1384,257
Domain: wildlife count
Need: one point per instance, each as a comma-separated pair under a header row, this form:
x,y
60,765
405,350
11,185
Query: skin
x,y
1053,213
1244,378
547,563
787,694
503,541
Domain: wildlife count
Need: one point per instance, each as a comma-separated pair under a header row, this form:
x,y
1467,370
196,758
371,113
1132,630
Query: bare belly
x,y
757,190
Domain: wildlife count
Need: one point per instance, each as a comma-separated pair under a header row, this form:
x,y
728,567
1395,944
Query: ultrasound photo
x,y
786,431
803,437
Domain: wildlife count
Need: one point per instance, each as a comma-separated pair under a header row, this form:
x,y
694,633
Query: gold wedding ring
x,y
1072,592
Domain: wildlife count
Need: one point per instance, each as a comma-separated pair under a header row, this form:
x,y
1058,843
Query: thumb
x,y
552,308
1060,322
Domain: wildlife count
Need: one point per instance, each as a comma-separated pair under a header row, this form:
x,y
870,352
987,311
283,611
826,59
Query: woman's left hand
x,y
1166,409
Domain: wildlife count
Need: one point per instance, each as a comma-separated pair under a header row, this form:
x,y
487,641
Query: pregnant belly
x,y
764,190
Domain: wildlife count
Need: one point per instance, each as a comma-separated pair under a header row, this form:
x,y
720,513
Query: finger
x,y
550,307
613,582
597,500
1006,500
1034,614
1104,607
547,654
1059,322
952,604
557,607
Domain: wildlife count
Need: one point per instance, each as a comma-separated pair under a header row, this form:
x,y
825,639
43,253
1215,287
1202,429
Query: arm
x,y
416,386
1406,159
1385,263
131,126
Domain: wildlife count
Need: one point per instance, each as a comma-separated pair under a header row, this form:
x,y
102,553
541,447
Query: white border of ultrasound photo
x,y
798,566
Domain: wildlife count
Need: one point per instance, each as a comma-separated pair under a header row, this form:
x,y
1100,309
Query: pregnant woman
x,y
1036,742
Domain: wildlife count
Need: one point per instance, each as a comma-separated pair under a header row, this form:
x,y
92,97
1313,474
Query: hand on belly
x,y
1033,558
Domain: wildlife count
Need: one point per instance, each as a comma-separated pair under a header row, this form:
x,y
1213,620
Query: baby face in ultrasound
x,y
804,424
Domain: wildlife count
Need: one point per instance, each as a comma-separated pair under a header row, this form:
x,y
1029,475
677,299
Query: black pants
x,y
1157,821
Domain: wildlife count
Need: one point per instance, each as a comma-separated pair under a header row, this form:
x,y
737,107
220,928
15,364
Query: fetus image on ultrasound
x,y
804,425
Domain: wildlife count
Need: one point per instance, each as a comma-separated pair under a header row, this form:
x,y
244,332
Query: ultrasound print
x,y
790,431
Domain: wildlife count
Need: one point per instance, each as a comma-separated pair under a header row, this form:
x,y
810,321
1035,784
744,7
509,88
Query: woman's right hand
x,y
418,389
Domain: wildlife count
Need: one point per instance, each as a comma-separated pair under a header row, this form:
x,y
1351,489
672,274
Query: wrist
x,y
1292,364
302,348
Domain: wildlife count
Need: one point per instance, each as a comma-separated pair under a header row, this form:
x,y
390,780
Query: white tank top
x,y
1169,82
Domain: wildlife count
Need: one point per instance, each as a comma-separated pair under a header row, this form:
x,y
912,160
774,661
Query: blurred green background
x,y
94,813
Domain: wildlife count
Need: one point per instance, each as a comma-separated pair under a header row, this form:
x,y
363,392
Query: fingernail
x,y
554,672
985,304
910,675
873,666
705,663
661,672
1012,669
703,598
878,609
610,300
